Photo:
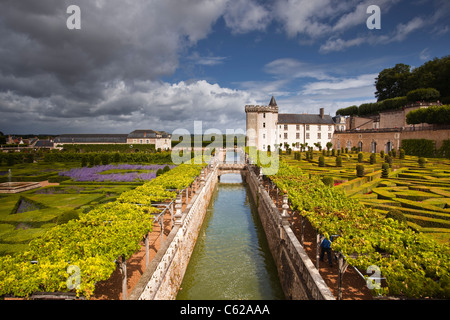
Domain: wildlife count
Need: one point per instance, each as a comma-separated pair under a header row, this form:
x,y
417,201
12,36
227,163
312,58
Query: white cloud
x,y
206,60
362,83
340,44
425,54
303,16
401,32
242,16
292,68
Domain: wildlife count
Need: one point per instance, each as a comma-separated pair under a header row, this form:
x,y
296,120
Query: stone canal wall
x,y
164,275
298,276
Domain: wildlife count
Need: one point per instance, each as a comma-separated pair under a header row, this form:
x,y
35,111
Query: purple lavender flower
x,y
94,173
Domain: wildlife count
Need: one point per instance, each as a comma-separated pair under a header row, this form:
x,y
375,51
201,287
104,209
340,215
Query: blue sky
x,y
162,65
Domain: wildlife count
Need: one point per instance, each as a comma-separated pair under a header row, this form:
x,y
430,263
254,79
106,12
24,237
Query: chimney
x,y
321,113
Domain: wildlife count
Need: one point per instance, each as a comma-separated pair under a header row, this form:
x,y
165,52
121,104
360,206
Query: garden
x,y
92,217
388,210
414,189
75,191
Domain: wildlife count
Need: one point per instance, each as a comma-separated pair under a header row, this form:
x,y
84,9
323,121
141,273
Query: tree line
x,y
400,85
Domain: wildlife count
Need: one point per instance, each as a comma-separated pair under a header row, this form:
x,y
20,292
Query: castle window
x,y
329,128
285,127
307,127
264,124
286,135
297,127
329,136
264,135
307,135
264,115
319,135
297,135
318,127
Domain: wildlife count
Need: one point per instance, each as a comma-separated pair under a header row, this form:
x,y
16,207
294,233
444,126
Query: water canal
x,y
231,259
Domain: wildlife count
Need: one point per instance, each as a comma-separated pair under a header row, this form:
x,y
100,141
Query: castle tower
x,y
262,125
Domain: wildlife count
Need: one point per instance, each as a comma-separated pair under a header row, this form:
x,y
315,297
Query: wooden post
x,y
123,269
302,229
317,250
147,256
343,264
161,222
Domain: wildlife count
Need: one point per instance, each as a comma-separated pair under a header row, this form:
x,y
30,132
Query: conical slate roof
x,y
273,103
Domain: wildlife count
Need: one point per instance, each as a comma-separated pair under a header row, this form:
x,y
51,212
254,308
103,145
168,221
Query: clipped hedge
x,y
419,147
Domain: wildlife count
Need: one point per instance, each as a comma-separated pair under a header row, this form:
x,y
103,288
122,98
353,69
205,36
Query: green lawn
x,y
52,205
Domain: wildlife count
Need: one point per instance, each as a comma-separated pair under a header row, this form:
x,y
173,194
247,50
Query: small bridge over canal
x,y
225,165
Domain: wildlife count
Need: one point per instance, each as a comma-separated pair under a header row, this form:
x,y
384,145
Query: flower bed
x,y
130,173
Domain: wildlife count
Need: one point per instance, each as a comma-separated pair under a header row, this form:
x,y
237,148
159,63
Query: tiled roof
x,y
91,138
148,134
293,118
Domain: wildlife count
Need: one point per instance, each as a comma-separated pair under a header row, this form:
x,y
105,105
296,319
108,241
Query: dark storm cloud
x,y
105,76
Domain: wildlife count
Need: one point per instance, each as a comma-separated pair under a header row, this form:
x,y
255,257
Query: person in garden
x,y
325,247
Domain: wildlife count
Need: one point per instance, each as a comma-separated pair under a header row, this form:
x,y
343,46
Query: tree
x,y
393,82
433,74
318,146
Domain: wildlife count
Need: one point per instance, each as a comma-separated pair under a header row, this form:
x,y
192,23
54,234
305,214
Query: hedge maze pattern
x,y
420,194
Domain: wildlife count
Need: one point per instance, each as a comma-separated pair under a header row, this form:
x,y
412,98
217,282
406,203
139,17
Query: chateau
x,y
267,129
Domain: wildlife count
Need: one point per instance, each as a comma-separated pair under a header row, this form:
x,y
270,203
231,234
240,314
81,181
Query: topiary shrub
x,y
84,162
385,170
159,172
402,154
338,161
381,154
423,94
328,181
396,215
373,158
421,162
321,161
67,216
97,161
388,160
359,170
360,157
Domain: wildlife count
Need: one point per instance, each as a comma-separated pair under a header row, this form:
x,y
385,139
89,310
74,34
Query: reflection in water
x,y
231,259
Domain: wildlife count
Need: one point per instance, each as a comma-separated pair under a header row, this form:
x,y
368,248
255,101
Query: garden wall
x,y
164,275
298,276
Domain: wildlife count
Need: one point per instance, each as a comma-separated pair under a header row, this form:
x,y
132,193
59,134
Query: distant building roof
x,y
148,134
91,138
44,144
293,118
